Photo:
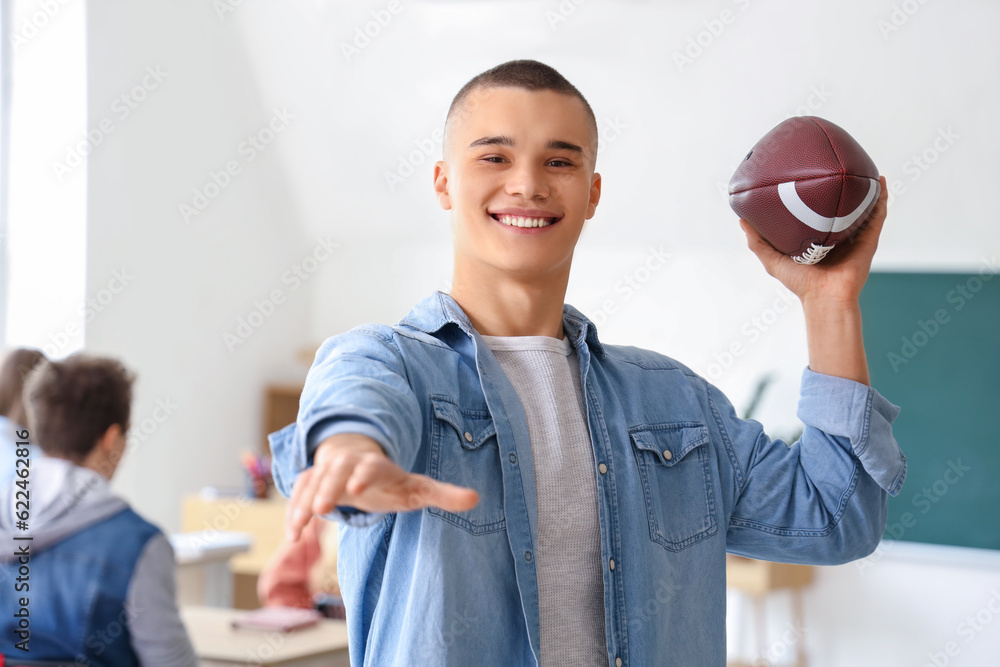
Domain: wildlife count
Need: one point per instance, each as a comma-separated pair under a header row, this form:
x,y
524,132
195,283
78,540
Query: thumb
x,y
428,492
756,242
768,256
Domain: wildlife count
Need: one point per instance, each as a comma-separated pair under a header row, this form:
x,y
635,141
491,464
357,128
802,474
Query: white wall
x,y
671,138
45,243
906,605
189,282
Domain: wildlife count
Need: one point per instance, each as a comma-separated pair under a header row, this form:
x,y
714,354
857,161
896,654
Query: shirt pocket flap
x,y
474,427
670,443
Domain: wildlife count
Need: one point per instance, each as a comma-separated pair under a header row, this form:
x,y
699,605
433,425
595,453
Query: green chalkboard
x,y
933,346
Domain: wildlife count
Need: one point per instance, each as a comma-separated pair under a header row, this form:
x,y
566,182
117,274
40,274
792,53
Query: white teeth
x,y
516,221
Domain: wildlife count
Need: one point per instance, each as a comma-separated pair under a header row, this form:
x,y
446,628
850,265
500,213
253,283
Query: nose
x,y
527,180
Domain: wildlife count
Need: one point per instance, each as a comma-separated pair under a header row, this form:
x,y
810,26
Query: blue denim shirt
x,y
680,479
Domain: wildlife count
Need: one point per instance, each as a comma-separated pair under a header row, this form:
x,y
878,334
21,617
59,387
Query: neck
x,y
505,306
99,462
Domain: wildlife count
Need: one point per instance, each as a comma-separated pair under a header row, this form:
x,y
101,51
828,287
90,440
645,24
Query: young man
x,y
100,584
517,492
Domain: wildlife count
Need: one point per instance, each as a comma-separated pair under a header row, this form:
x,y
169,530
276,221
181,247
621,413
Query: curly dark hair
x,y
72,403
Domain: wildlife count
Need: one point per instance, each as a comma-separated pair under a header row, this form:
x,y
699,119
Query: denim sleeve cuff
x,y
331,426
291,456
845,408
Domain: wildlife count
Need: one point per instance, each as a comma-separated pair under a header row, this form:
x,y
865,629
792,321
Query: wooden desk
x,y
203,574
263,519
217,644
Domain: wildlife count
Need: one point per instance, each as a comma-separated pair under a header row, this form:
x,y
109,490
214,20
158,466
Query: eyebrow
x,y
504,140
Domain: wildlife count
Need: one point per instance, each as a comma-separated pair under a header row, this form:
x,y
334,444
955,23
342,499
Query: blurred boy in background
x,y
102,587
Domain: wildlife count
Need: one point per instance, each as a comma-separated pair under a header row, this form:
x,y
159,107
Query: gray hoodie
x,y
66,499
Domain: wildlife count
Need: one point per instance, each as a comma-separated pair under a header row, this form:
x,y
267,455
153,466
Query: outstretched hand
x,y
840,275
352,470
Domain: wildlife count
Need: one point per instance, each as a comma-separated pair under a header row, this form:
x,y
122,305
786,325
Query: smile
x,y
518,221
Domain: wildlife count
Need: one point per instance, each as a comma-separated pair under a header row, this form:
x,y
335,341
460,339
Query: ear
x,y
595,196
109,440
441,184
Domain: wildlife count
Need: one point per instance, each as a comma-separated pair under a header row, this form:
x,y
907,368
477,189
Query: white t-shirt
x,y
545,372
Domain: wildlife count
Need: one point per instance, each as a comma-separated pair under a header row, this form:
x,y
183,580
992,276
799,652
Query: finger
x,y
422,491
870,231
877,219
293,526
331,487
302,512
374,470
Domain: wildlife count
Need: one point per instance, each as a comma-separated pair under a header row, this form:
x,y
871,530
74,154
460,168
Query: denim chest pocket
x,y
676,474
464,451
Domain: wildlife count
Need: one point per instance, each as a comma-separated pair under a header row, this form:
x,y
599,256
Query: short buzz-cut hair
x,y
72,403
526,75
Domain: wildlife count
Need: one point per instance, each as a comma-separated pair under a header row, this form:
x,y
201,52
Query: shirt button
x,y
527,556
603,468
611,564
513,458
666,453
468,437
618,662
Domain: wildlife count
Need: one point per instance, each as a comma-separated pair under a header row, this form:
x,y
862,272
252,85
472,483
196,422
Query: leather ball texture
x,y
806,186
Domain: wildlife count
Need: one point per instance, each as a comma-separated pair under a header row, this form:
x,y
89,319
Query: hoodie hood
x,y
64,499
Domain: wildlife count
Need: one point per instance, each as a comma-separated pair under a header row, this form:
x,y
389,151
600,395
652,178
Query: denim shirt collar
x,y
438,309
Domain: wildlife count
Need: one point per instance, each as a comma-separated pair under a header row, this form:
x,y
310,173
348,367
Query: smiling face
x,y
518,177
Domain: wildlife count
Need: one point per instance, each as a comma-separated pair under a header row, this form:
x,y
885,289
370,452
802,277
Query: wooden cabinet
x,y
281,407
